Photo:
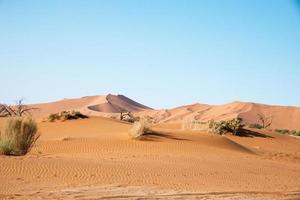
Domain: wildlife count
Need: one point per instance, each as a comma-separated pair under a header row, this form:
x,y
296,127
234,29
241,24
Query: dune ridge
x,y
283,117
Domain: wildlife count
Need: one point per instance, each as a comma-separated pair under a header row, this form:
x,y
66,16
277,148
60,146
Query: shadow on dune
x,y
155,136
250,133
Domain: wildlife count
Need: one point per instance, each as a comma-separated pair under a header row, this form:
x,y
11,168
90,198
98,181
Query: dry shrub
x,y
128,117
66,115
19,136
138,129
233,126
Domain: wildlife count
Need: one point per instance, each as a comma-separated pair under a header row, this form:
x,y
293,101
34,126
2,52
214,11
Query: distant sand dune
x,y
283,117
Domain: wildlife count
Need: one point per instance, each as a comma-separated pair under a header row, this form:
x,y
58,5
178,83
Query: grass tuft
x,y
138,130
19,136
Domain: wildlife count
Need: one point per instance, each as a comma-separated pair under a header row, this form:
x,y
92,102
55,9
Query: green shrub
x,y
282,131
233,126
288,132
257,126
53,117
217,127
19,136
297,133
66,115
78,114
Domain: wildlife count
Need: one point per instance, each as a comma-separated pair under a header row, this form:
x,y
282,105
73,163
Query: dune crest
x,y
91,105
283,117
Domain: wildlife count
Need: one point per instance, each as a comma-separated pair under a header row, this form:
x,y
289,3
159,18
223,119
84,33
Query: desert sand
x,y
96,159
283,117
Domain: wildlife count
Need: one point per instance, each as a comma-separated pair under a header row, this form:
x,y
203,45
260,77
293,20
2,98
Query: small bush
x,y
288,132
78,114
282,131
257,126
66,115
138,129
219,128
233,126
53,117
128,117
19,136
297,133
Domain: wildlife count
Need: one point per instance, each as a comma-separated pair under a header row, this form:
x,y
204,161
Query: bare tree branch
x,y
17,110
265,121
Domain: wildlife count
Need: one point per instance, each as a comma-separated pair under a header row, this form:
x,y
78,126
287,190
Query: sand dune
x,y
283,117
90,105
92,158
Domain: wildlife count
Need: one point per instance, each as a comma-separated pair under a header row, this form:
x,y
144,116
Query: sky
x,y
162,53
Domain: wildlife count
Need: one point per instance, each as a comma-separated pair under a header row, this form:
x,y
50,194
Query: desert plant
x,y
138,129
233,126
297,133
217,127
257,126
17,110
53,117
5,146
78,114
66,115
264,121
19,136
288,132
128,117
282,131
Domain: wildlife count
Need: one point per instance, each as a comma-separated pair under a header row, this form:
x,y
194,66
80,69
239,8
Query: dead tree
x,y
265,121
17,110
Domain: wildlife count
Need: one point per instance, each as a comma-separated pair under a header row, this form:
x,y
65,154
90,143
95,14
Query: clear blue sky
x,y
160,53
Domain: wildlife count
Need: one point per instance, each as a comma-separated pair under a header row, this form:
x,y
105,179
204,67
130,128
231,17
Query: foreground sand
x,y
93,158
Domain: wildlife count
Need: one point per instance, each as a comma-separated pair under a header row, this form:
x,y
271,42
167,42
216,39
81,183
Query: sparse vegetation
x,y
17,110
53,117
264,121
66,115
233,126
257,126
128,117
194,125
19,136
288,132
138,129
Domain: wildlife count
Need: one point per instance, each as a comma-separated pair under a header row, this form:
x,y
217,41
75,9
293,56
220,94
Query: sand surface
x,y
94,158
283,117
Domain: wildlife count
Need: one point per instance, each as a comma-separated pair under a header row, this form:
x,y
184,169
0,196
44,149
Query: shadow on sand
x,y
250,133
156,136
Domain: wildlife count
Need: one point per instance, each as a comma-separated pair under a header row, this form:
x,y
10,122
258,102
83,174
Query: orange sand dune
x,y
283,117
93,158
90,105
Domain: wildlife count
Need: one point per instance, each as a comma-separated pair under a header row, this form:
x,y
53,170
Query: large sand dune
x,y
283,117
91,105
93,158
